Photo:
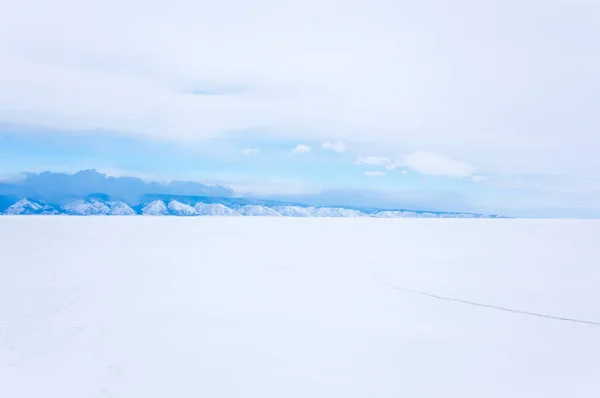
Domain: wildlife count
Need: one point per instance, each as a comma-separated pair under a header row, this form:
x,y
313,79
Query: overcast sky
x,y
496,102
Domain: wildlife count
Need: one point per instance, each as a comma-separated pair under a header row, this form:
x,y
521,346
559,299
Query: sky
x,y
466,106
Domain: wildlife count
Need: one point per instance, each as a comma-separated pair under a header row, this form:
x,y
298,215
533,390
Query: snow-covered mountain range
x,y
89,192
25,206
186,207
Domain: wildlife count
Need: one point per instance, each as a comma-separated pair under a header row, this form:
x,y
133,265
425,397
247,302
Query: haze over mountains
x,y
89,193
61,188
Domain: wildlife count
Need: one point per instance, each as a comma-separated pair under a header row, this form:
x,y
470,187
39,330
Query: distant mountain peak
x,y
156,208
335,212
120,209
87,208
257,211
180,209
293,211
26,206
215,209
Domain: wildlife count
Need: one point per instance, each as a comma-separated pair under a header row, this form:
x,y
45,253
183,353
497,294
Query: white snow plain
x,y
288,307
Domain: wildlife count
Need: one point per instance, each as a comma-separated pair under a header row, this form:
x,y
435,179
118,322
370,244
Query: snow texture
x,y
27,207
257,211
120,209
293,211
180,209
395,214
287,307
86,208
156,208
334,212
215,209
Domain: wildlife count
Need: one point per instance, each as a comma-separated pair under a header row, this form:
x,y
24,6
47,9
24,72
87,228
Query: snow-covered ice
x,y
160,307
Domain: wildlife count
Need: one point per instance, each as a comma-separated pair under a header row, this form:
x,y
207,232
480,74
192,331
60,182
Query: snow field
x,y
160,307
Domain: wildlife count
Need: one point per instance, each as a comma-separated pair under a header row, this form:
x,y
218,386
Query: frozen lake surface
x,y
140,307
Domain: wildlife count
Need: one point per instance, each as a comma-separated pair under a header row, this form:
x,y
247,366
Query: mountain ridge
x,y
89,192
169,205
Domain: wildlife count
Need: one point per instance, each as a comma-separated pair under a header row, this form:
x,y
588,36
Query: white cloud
x,y
301,148
433,164
266,185
250,151
382,161
373,161
337,146
375,173
488,105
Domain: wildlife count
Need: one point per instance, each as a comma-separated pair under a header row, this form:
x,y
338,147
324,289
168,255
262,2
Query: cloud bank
x,y
396,76
433,164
